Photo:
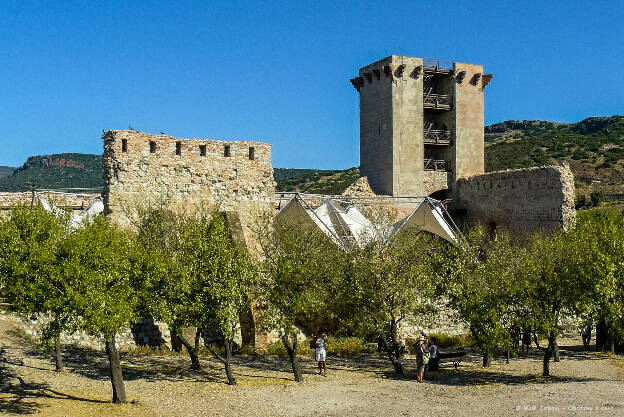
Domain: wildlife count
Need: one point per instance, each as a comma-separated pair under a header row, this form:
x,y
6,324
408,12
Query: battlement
x,y
142,169
419,115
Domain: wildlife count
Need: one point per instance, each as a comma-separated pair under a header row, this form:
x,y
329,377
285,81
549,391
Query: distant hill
x,y
593,147
65,170
5,171
320,182
283,174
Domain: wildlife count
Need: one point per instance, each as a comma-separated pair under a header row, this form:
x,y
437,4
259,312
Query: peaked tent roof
x,y
427,216
341,221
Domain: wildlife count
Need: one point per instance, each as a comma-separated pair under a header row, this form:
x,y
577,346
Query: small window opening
x,y
152,146
178,148
202,150
124,145
252,153
226,151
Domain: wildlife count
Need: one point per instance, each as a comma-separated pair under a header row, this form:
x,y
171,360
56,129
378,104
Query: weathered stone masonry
x,y
522,200
142,169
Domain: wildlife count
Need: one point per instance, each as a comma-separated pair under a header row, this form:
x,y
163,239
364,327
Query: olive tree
x,y
31,278
385,281
299,263
599,241
484,287
108,283
200,274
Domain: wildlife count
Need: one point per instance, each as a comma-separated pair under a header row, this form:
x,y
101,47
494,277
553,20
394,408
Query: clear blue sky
x,y
279,71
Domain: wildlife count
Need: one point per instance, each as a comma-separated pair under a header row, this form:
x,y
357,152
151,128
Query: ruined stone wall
x,y
63,200
522,200
142,169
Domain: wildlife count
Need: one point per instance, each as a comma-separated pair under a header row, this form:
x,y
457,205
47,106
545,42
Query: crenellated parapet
x,y
141,169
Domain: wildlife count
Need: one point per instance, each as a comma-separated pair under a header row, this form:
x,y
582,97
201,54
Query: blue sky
x,y
279,71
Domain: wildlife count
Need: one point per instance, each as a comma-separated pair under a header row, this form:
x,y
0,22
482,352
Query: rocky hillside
x,y
5,171
593,147
65,170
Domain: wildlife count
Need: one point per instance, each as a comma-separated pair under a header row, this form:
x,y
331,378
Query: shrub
x,y
347,346
444,341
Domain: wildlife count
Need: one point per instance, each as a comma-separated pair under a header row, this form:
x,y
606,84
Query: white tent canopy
x,y
339,220
427,216
95,207
344,223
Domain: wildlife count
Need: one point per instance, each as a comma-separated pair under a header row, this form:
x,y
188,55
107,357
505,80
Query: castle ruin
x,y
422,134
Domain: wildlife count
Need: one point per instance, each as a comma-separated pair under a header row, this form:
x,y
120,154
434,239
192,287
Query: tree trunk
x,y
395,359
292,354
556,356
487,359
601,335
57,356
228,362
552,342
195,364
611,342
116,377
197,336
175,342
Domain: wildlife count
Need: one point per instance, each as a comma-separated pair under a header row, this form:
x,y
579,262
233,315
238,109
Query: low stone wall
x,y
522,200
63,200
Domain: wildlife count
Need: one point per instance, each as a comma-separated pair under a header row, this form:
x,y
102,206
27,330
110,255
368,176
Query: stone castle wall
x,y
142,169
522,200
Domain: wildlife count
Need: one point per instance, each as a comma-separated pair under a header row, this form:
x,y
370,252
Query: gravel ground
x,y
582,384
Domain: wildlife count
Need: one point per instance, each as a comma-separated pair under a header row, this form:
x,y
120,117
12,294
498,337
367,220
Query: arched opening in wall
x,y
491,228
440,195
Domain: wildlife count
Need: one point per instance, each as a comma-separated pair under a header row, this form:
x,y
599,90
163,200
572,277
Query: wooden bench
x,y
457,355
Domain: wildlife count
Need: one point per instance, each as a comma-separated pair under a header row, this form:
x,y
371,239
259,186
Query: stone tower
x,y
421,124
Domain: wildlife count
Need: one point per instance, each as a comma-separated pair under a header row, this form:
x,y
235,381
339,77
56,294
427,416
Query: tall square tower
x,y
421,124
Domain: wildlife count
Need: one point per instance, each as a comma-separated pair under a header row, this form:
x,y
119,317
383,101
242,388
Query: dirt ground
x,y
584,383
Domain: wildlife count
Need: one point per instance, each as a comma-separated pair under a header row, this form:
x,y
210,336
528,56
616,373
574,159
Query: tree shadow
x,y
151,368
472,377
20,397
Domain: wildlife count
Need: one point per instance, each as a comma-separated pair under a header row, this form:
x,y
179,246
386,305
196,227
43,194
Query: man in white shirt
x,y
321,353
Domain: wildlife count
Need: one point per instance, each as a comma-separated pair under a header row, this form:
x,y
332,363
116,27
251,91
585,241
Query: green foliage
x,y
299,263
31,268
597,197
348,346
445,340
484,286
386,281
538,143
6,171
196,271
104,262
282,175
320,182
337,346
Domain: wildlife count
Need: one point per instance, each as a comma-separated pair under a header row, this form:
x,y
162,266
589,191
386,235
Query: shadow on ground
x,y
20,397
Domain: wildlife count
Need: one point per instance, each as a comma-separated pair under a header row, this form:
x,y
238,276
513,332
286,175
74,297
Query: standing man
x,y
420,359
321,353
586,335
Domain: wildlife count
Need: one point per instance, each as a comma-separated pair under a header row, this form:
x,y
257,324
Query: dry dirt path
x,y
164,386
